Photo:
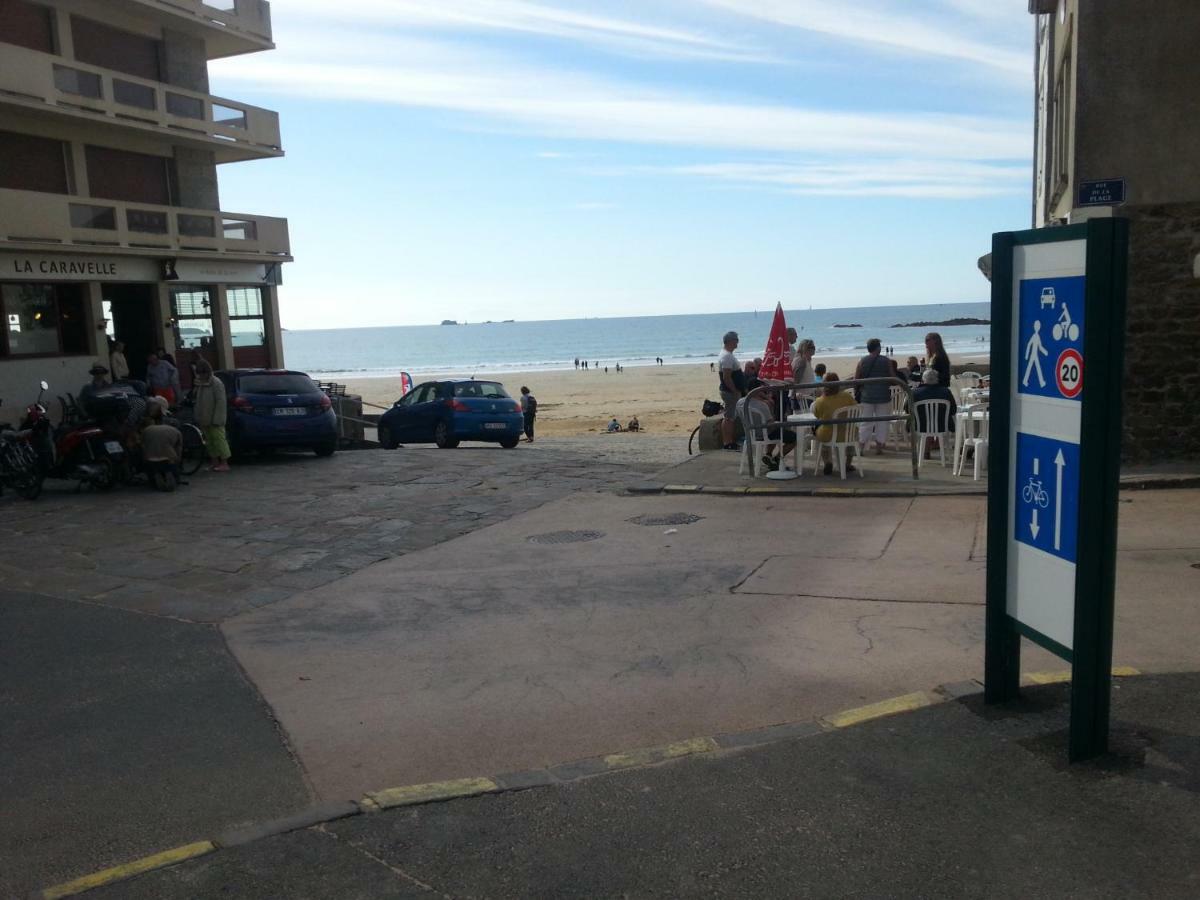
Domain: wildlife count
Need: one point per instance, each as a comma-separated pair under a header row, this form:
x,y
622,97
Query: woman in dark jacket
x,y
935,351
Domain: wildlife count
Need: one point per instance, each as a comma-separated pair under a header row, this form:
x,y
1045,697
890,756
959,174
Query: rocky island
x,y
852,325
948,323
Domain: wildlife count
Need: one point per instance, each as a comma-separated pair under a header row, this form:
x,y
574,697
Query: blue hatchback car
x,y
448,412
272,409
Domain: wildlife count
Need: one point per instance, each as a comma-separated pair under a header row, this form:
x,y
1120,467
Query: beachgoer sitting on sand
x,y
614,425
831,400
633,425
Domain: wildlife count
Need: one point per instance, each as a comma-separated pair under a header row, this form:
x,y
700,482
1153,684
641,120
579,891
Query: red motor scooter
x,y
81,453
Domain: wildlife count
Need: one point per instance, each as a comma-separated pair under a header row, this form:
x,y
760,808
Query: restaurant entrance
x,y
129,309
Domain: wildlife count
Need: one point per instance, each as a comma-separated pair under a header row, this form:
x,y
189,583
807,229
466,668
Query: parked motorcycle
x,y
73,452
19,469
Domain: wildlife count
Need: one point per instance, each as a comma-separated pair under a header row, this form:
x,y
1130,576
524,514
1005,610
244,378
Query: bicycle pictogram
x,y
1035,493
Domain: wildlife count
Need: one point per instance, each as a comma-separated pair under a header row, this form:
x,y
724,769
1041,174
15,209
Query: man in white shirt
x,y
730,386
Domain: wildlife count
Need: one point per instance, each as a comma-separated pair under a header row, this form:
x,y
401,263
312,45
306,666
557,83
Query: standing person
x,y
211,415
162,353
577,364
162,378
117,364
802,364
790,336
731,385
875,399
938,360
528,411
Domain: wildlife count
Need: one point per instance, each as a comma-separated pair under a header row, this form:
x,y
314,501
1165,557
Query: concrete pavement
x,y
953,800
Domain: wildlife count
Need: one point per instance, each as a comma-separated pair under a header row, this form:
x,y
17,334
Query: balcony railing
x,y
29,217
248,19
234,130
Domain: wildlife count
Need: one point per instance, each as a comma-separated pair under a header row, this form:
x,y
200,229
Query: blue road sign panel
x,y
1102,193
1050,346
1047,490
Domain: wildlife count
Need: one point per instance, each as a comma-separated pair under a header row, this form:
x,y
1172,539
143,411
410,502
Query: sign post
x,y
1058,326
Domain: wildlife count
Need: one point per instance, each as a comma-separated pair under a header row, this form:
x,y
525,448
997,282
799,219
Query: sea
x,y
521,346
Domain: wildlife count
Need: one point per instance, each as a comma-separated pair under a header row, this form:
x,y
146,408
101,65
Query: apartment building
x,y
111,220
1118,132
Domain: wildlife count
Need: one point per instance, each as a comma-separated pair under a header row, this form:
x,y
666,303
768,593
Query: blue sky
x,y
538,159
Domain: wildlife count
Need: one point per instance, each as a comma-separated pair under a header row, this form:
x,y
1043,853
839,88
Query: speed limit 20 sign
x,y
1069,373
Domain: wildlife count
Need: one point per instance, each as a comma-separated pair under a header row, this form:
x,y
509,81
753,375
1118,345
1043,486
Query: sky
x,y
548,159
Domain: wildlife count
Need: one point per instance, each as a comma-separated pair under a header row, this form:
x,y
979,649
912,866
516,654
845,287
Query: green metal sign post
x,y
1058,328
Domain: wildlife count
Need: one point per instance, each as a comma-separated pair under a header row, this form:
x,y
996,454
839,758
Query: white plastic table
x,y
796,421
967,417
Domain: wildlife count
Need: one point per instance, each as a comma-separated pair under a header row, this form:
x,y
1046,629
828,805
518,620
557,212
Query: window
x,y
132,177
485,390
1060,163
27,25
246,316
33,164
110,48
42,320
192,307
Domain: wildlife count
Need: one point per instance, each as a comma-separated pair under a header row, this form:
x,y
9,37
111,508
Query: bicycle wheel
x,y
194,450
695,431
1027,494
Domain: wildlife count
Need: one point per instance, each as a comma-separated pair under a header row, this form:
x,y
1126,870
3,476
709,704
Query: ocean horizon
x,y
629,340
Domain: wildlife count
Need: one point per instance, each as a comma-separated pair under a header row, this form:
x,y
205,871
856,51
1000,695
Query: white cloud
x,y
525,17
561,104
916,30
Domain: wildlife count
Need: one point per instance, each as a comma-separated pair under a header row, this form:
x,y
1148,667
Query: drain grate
x,y
669,519
565,537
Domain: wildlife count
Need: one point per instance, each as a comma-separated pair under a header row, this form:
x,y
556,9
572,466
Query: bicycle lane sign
x,y
1046,485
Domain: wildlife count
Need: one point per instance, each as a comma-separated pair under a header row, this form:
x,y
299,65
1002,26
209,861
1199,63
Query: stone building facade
x,y
1118,90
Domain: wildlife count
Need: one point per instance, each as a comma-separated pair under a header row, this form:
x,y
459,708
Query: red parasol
x,y
777,364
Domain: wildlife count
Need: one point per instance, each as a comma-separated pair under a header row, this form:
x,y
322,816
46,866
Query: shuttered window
x,y
101,45
33,164
132,177
27,25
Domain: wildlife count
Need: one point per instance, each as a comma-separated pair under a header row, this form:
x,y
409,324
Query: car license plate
x,y
495,425
113,447
290,410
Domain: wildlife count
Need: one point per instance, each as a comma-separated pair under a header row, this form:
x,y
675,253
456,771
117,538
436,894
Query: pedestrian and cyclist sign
x,y
1058,300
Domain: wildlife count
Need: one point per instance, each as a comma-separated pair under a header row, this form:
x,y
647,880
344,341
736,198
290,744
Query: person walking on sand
x,y
211,414
528,412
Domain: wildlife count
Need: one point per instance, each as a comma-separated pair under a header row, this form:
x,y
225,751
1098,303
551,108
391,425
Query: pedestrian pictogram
x,y
1034,350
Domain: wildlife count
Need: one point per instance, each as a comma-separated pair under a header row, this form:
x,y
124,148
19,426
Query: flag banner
x,y
406,383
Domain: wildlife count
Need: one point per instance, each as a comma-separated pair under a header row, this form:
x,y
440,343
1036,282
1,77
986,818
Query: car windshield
x,y
486,390
285,383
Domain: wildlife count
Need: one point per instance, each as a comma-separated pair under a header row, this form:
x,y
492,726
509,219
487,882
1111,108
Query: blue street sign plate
x,y
1050,359
1047,495
1102,193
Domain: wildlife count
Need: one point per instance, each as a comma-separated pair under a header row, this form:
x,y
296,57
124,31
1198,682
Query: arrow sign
x,y
1033,526
1059,464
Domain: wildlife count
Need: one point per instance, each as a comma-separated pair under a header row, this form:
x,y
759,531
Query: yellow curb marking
x,y
906,703
833,490
1061,677
128,870
657,754
436,790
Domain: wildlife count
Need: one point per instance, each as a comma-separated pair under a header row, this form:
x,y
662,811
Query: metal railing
x,y
816,387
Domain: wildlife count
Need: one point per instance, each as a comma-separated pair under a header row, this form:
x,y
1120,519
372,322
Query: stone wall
x,y
1162,350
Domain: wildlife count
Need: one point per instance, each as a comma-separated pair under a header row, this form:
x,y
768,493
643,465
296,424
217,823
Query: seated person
x,y
633,425
88,392
763,406
831,400
931,390
612,426
819,371
913,370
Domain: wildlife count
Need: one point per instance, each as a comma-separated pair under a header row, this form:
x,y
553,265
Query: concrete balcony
x,y
46,84
34,221
228,27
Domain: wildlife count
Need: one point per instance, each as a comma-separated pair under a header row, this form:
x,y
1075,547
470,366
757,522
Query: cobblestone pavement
x,y
273,527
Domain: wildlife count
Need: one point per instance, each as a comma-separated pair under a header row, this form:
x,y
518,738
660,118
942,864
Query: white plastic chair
x,y
898,429
845,439
977,444
755,423
972,377
932,415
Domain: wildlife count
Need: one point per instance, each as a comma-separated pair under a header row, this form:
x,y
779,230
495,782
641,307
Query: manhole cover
x,y
669,519
565,537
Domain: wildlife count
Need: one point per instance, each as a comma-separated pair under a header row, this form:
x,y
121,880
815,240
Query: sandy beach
x,y
666,399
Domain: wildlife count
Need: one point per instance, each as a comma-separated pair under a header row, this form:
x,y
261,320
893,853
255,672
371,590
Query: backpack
x,y
532,405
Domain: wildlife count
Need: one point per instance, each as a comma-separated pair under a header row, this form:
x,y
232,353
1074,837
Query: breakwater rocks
x,y
948,323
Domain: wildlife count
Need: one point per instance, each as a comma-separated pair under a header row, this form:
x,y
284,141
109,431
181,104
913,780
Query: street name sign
x,y
1102,193
1058,322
